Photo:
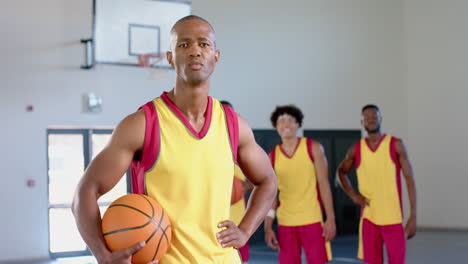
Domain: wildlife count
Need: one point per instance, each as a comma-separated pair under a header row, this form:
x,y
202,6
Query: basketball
x,y
237,190
134,218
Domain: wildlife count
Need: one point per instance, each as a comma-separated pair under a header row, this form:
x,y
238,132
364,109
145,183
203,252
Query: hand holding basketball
x,y
135,227
124,256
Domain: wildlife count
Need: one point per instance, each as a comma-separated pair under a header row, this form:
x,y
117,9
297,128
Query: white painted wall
x,y
41,56
329,57
437,59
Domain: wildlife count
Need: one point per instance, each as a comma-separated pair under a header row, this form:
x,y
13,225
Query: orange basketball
x,y
237,190
134,218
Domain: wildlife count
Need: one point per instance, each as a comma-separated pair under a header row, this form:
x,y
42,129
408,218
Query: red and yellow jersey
x,y
378,173
299,202
238,209
190,174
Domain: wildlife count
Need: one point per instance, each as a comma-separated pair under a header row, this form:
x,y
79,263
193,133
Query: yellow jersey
x,y
190,174
378,174
299,200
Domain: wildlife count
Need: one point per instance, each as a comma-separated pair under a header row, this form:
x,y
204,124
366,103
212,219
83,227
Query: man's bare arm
x,y
257,168
101,176
256,165
270,236
410,184
321,168
345,166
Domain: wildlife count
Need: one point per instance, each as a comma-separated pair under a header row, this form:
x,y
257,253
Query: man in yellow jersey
x,y
378,160
301,167
237,210
182,146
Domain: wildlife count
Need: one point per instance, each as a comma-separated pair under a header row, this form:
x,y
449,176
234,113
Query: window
x,y
69,153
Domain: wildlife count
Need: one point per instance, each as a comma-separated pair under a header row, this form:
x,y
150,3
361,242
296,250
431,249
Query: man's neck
x,y
190,99
289,142
374,136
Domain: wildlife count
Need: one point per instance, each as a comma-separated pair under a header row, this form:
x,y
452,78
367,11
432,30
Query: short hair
x,y
286,109
373,106
191,17
224,102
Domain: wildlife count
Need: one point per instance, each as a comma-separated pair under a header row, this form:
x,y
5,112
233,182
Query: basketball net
x,y
153,63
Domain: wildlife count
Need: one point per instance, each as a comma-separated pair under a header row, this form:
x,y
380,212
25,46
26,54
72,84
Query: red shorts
x,y
371,240
309,237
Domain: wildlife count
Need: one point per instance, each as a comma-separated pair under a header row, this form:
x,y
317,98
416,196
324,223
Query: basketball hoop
x,y
153,62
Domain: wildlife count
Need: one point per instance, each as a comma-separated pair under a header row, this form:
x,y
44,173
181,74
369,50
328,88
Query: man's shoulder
x,y
130,132
135,119
395,138
356,143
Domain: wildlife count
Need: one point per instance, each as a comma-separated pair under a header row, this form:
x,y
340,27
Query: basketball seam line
x,y
159,227
160,239
151,219
163,235
129,228
138,210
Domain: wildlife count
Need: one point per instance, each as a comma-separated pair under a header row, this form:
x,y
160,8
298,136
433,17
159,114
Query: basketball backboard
x,y
125,29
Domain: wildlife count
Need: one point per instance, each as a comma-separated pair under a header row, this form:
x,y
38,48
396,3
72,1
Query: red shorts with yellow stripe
x,y
309,237
371,240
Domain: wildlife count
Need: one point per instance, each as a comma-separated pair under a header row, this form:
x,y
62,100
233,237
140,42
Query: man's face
x,y
193,51
371,120
287,126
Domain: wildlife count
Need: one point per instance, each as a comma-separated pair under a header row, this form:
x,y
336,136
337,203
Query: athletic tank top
x,y
190,174
378,173
299,201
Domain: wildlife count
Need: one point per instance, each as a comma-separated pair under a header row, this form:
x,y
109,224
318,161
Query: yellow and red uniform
x,y
190,174
379,181
299,199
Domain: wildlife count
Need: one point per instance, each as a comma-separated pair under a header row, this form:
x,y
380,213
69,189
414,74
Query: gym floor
x,y
428,247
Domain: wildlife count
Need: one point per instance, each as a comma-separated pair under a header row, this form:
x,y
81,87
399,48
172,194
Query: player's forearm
x,y
268,224
410,183
345,184
411,195
88,220
260,202
327,199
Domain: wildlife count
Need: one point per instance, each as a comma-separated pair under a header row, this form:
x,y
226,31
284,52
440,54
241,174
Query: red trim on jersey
x,y
233,129
272,156
294,152
376,146
393,153
150,150
395,160
184,120
137,175
311,156
309,149
357,154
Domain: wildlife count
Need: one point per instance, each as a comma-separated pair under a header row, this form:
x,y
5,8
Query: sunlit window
x,y
69,153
